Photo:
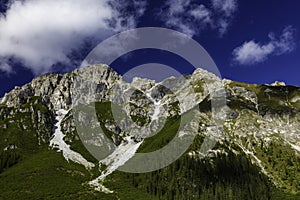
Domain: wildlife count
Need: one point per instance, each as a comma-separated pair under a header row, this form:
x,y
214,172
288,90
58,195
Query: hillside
x,y
244,138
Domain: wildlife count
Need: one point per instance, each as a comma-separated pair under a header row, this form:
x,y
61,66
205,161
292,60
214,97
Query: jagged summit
x,y
260,124
55,88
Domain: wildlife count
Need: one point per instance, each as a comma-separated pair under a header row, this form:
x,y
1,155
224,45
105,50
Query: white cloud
x,y
43,33
190,17
201,13
227,7
286,42
252,52
224,9
6,67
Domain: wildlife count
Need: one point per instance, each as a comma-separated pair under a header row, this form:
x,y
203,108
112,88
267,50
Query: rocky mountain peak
x,y
257,119
55,89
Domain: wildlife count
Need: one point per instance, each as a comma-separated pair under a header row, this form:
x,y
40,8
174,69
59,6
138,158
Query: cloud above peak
x,y
190,17
43,33
252,52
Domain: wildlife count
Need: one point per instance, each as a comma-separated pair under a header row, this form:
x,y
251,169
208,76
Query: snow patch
x,y
58,142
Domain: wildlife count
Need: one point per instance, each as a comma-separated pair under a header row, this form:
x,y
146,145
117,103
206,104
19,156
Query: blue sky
x,y
254,41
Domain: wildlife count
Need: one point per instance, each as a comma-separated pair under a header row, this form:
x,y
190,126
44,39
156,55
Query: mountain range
x,y
245,138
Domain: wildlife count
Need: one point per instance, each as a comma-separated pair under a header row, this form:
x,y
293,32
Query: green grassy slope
x,y
41,173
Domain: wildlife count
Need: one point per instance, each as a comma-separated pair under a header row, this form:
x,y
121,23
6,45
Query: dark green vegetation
x,y
106,116
162,138
282,162
19,136
271,99
46,175
225,177
8,158
218,177
29,169
231,176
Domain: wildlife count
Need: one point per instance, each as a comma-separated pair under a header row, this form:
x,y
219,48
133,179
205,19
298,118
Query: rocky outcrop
x,y
254,117
55,89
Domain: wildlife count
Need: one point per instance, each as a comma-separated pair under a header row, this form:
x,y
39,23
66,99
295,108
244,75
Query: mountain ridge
x,y
256,117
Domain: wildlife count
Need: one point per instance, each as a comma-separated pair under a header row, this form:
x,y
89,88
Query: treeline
x,y
223,177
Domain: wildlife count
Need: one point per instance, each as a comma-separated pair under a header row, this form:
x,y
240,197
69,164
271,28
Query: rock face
x,y
51,87
255,118
55,89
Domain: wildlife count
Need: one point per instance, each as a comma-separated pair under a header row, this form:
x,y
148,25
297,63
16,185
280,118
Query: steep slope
x,y
259,137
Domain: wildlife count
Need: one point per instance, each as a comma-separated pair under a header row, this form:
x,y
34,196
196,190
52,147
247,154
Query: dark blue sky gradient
x,y
139,57
254,19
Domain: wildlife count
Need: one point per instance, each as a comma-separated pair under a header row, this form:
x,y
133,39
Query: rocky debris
x,y
253,114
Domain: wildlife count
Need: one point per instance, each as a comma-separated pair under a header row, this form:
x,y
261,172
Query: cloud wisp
x,y
252,52
41,34
190,17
